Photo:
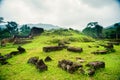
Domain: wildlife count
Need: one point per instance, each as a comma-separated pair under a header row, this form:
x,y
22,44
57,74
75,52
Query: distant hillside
x,y
45,26
112,26
112,32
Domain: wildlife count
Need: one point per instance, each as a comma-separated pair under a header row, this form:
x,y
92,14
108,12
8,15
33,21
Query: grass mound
x,y
19,69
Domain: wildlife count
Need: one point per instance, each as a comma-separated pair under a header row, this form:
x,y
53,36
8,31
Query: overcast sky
x,y
65,13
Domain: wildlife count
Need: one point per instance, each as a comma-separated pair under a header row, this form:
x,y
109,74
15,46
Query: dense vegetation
x,y
92,29
11,28
95,30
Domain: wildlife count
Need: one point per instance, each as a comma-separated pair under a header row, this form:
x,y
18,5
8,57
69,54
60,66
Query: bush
x,y
87,39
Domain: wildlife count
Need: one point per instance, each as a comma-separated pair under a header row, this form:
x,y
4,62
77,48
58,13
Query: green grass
x,y
19,69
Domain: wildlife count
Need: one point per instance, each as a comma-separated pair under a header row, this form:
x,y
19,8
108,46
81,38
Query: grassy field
x,y
19,69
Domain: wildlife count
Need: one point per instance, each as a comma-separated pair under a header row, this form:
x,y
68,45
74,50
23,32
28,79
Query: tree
x,y
1,19
93,29
25,30
12,28
98,30
117,28
92,24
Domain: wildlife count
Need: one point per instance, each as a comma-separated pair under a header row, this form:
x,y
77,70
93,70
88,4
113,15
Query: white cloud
x,y
66,13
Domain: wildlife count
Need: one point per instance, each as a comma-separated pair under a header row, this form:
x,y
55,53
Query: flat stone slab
x,y
100,52
74,49
96,64
33,60
52,48
47,59
41,66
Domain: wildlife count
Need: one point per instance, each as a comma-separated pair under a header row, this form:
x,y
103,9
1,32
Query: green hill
x,y
19,69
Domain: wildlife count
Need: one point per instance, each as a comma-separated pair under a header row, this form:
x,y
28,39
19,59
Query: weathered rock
x,y
80,60
89,46
64,66
77,66
8,56
97,46
63,44
52,48
109,46
66,42
96,64
3,60
41,66
21,41
1,56
6,40
21,37
114,43
36,31
74,49
67,62
14,53
48,59
91,72
100,52
33,60
82,71
71,69
20,49
69,66
93,46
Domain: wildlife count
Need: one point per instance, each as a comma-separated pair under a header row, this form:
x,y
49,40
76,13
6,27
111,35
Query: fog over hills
x,y
45,26
66,13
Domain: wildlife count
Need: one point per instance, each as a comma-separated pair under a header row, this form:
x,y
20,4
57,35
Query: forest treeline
x,y
95,30
11,28
92,29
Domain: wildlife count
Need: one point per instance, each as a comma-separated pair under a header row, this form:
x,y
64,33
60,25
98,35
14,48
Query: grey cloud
x,y
66,13
98,3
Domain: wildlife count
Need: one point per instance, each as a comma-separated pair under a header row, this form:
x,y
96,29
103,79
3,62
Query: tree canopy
x,y
93,29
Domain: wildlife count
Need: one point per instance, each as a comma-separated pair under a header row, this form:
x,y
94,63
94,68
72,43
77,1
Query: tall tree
x,y
117,28
1,19
92,24
12,28
25,30
98,30
93,29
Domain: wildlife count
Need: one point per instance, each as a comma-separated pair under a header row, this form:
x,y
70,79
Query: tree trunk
x,y
116,36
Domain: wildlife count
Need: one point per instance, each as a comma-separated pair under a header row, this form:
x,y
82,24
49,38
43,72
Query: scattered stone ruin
x,y
78,59
41,66
100,52
18,39
52,48
2,60
33,60
13,53
36,31
39,63
93,66
68,65
96,64
47,59
21,50
74,49
63,44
